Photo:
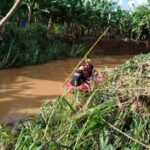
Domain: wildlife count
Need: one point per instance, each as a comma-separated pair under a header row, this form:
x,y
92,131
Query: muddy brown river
x,y
23,90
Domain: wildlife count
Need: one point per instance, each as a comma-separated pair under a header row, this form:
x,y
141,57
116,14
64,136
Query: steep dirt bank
x,y
111,47
117,47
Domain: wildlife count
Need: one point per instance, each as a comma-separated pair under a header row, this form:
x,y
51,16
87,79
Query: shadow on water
x,y
23,90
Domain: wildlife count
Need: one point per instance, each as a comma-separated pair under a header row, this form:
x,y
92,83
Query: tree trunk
x,y
29,14
49,24
10,13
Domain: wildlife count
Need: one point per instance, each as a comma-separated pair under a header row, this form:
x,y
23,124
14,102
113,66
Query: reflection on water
x,y
23,90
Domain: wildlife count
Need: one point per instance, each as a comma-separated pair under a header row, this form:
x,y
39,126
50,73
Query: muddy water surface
x,y
23,90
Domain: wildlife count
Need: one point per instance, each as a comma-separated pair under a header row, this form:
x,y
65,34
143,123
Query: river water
x,y
23,90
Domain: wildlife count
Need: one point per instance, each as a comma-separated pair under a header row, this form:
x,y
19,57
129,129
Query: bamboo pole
x,y
86,55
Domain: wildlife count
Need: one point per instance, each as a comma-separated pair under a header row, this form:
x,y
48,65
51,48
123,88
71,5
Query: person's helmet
x,y
81,68
88,61
88,64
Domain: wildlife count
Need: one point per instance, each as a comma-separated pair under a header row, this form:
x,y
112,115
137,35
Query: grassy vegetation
x,y
29,46
113,116
84,17
23,40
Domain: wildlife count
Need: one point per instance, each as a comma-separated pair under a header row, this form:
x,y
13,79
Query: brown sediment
x,y
23,90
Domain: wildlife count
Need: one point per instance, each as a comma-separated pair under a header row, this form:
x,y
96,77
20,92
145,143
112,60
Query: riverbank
x,y
23,90
33,45
113,116
121,47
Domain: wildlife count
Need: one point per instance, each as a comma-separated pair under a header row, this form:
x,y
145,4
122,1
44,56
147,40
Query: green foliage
x,y
85,121
133,64
77,50
59,30
30,45
141,20
5,7
84,17
68,17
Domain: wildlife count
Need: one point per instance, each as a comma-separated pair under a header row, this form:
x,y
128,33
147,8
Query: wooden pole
x,y
86,55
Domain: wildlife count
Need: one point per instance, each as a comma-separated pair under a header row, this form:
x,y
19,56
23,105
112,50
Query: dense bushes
x,y
25,46
85,17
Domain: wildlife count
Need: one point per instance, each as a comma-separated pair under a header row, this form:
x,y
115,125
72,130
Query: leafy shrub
x,y
30,45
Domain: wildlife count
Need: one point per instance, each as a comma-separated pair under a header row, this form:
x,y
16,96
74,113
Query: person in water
x,y
79,77
89,69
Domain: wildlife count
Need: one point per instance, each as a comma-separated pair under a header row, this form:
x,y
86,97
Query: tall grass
x,y
30,45
104,119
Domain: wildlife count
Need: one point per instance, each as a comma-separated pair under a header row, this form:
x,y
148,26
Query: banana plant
x,y
141,21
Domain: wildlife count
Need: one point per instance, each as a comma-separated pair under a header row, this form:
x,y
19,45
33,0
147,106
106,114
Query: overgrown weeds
x,y
104,119
29,46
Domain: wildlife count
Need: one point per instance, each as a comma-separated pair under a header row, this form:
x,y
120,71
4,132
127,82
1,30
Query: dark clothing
x,y
78,78
23,23
88,70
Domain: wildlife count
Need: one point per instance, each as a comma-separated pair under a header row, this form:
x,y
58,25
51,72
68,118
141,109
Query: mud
x,y
23,90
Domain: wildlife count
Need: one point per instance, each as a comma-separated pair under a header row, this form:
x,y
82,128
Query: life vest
x,y
88,70
78,78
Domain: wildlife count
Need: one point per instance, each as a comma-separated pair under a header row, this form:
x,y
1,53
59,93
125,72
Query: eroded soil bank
x,y
117,46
